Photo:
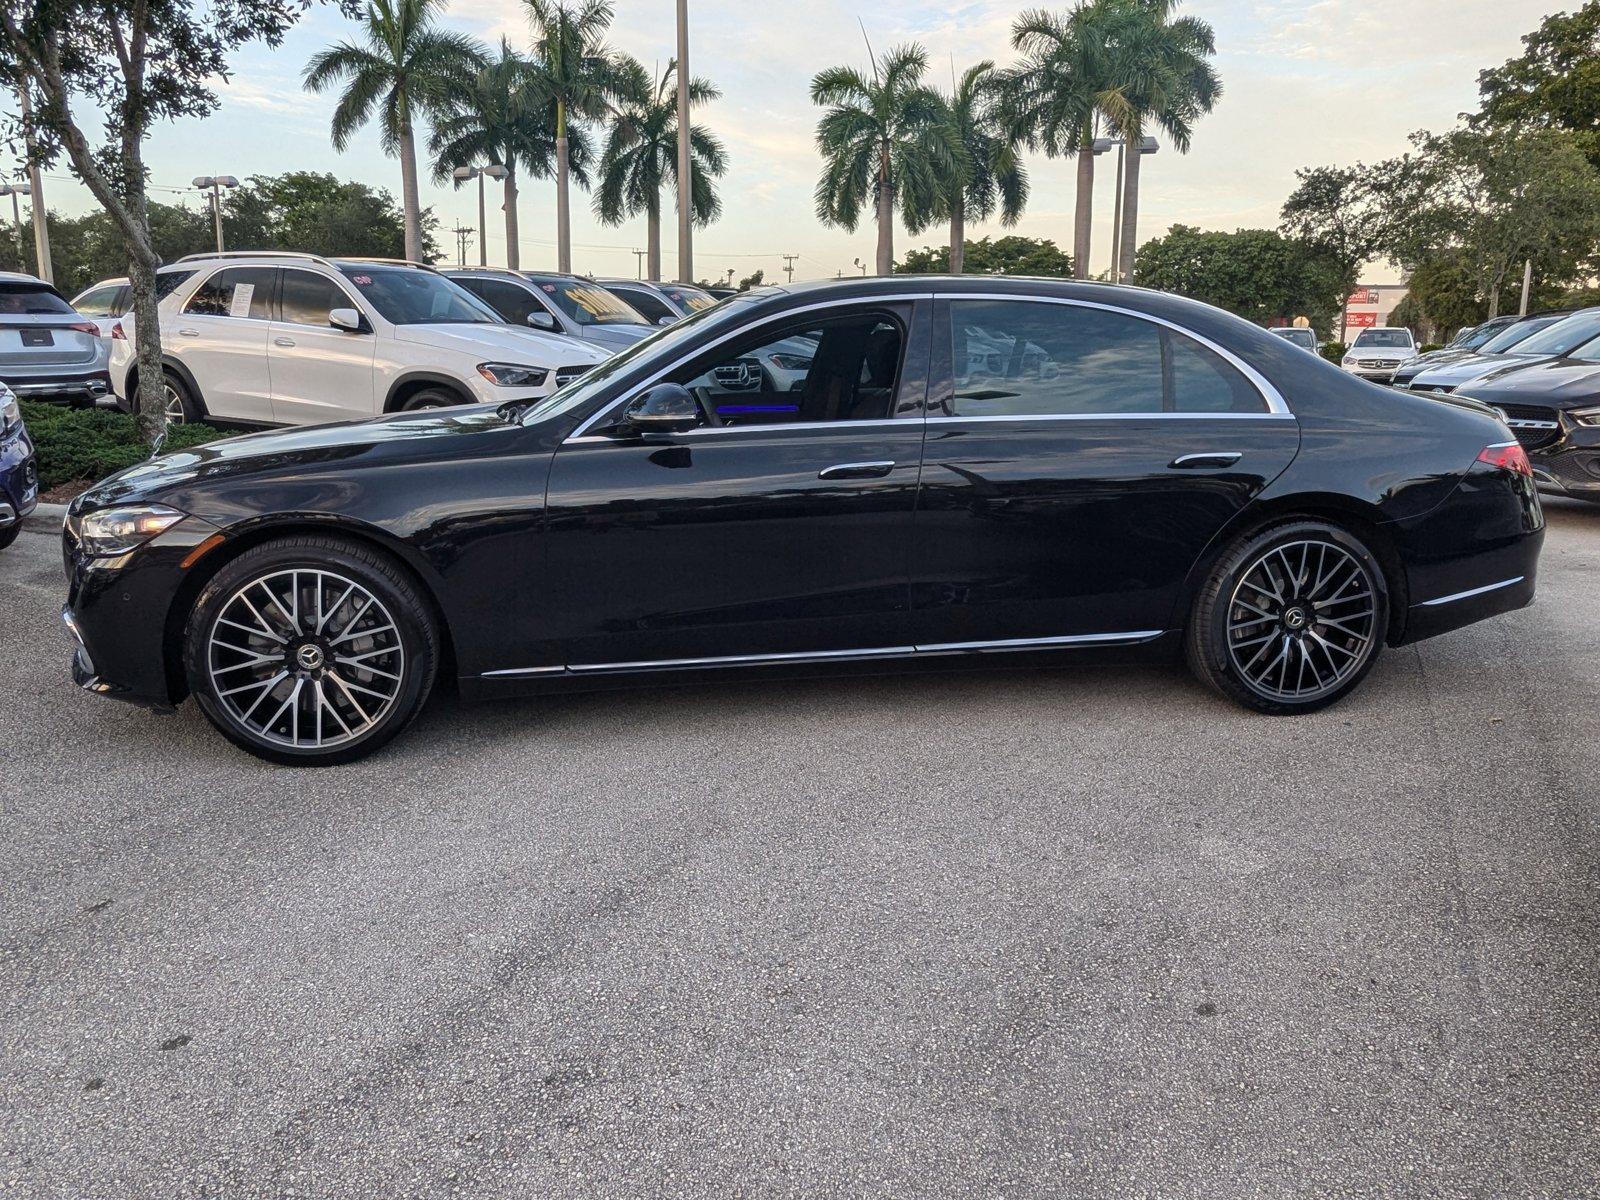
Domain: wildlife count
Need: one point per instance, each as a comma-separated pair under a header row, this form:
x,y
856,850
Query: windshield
x,y
1300,337
691,298
408,296
1384,339
32,299
588,303
1477,337
1515,335
657,349
1564,336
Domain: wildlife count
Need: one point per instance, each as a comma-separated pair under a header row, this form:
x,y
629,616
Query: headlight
x,y
10,410
1586,416
109,531
791,362
1347,360
512,374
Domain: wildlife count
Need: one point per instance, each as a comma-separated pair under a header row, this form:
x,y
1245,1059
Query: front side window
x,y
234,292
650,306
99,302
309,298
513,302
588,303
1015,358
410,296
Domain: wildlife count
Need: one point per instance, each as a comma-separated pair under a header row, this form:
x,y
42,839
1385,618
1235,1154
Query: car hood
x,y
344,444
1463,370
617,337
1556,383
528,347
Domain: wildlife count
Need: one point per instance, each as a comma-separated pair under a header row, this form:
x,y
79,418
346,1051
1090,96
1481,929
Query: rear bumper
x,y
83,385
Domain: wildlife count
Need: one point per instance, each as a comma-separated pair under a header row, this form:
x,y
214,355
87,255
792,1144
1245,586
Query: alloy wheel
x,y
305,658
1302,619
175,413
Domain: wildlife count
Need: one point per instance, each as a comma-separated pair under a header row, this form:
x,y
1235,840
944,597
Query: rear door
x,y
319,372
1079,459
220,338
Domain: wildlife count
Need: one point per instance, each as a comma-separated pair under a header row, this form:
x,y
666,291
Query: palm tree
x,y
1054,97
989,174
1161,77
641,157
582,79
882,139
406,68
504,118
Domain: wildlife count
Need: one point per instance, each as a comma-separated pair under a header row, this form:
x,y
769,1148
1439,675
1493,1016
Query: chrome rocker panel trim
x,y
1470,592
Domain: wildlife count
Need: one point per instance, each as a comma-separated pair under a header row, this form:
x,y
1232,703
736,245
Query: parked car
x,y
47,351
568,304
1377,352
1553,406
1306,339
19,471
1507,347
660,303
107,302
295,339
1167,476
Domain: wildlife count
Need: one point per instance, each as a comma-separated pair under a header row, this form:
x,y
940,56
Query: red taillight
x,y
117,335
1507,456
85,327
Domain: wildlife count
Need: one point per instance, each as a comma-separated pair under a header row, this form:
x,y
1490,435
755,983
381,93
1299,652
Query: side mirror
x,y
347,319
543,320
668,320
665,408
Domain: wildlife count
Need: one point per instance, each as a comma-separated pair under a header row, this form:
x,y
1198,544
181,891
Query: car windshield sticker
x,y
361,280
239,306
550,287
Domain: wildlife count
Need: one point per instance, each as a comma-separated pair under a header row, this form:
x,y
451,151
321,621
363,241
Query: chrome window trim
x,y
1470,592
1114,416
1133,637
1276,406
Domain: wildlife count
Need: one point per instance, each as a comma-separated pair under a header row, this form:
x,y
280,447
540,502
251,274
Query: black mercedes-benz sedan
x,y
1554,409
959,470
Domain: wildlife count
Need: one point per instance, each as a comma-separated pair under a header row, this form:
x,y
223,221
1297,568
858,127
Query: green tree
x,y
318,213
504,117
1054,96
1554,84
404,69
1163,79
753,280
988,173
123,67
1011,255
1337,210
582,79
1257,273
641,157
883,141
1498,197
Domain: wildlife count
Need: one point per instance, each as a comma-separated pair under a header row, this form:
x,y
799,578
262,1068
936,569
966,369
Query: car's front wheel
x,y
1290,619
311,650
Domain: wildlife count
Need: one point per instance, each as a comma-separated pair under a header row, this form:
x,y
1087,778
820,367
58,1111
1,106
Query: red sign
x,y
1364,296
1362,321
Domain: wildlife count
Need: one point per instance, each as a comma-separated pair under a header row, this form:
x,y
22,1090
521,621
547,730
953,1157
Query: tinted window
x,y
692,298
32,299
410,296
99,302
513,302
308,298
1016,358
652,307
235,292
588,303
167,282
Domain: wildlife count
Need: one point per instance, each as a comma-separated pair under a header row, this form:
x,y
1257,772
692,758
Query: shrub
x,y
82,445
1429,347
1334,352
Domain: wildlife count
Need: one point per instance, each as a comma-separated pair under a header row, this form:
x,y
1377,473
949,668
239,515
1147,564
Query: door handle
x,y
1202,462
188,333
282,341
862,470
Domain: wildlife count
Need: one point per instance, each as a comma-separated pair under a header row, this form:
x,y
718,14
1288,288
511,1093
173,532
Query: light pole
x,y
1128,208
14,190
492,171
215,184
685,188
41,214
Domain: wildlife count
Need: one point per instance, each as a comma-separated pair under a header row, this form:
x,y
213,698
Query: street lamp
x,y
216,183
14,190
492,171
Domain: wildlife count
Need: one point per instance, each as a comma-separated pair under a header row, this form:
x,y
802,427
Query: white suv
x,y
294,339
1377,352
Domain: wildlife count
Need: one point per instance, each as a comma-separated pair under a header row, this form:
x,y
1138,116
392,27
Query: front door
x,y
777,527
319,372
1079,459
221,338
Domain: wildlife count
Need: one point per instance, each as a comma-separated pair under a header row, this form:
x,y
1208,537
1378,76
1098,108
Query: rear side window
x,y
234,292
22,299
308,298
1015,358
99,302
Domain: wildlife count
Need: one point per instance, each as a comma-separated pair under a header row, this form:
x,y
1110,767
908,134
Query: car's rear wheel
x,y
311,650
1291,619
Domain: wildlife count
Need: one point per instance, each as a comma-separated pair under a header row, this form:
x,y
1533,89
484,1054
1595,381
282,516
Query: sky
x,y
1305,83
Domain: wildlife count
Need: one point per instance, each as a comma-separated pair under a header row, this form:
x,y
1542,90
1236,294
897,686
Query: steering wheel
x,y
708,410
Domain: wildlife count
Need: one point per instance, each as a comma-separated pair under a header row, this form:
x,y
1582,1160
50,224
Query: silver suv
x,y
556,303
48,351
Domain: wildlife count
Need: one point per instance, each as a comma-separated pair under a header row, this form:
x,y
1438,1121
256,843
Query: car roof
x,y
21,277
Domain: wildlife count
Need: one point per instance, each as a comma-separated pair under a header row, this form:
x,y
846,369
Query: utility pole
x,y
41,215
463,233
638,256
788,265
1527,280
685,182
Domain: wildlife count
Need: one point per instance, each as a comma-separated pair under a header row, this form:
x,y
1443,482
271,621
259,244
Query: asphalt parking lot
x,y
1088,932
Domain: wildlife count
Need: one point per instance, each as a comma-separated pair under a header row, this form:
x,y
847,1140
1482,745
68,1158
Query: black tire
x,y
223,638
9,534
432,397
183,406
1317,646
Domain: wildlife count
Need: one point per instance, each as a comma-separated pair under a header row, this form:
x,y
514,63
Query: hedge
x,y
81,445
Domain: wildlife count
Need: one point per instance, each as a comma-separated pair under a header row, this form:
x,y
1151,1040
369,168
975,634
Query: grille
x,y
1374,364
738,376
1535,427
565,375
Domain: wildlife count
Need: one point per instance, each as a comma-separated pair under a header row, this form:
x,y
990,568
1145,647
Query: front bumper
x,y
1570,466
1375,374
79,386
19,478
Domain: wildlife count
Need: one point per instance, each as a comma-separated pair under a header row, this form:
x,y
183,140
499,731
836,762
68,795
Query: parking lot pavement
x,y
1083,932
